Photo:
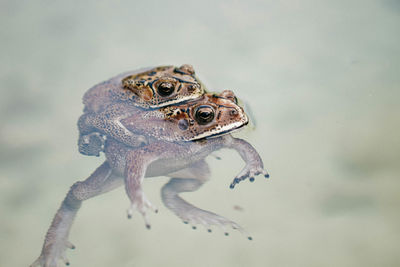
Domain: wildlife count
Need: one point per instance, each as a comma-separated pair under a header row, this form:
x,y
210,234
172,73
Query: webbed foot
x,y
195,216
140,203
254,164
249,172
52,254
191,214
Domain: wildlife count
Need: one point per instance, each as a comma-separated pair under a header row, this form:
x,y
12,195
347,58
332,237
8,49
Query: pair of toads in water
x,y
153,122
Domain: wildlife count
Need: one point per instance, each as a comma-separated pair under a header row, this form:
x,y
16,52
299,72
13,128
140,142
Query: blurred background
x,y
320,78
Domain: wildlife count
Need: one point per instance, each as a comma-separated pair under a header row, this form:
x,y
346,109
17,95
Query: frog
x,y
181,156
148,88
188,121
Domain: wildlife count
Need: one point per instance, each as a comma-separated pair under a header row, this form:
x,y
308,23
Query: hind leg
x,y
190,180
56,240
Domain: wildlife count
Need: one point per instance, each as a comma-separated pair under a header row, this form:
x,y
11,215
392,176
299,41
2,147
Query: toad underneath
x,y
178,139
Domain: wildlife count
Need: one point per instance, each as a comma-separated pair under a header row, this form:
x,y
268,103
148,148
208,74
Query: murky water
x,y
322,81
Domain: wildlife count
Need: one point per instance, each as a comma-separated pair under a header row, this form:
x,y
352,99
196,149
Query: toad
x,y
146,89
180,155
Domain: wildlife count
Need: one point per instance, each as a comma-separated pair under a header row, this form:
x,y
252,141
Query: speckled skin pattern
x,y
139,88
184,162
166,153
142,89
172,123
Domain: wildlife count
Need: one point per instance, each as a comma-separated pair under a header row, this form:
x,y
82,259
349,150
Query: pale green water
x,y
322,81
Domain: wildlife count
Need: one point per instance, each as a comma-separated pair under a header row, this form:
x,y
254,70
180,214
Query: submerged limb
x,y
91,144
135,170
56,241
189,180
109,123
254,164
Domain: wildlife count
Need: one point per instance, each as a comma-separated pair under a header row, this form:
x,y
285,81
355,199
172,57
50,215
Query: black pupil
x,y
165,89
204,115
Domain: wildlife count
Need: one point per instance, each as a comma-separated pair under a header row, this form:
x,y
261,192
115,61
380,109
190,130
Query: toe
x,y
70,245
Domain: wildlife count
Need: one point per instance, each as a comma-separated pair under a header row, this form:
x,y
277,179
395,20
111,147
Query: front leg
x,y
254,164
108,123
91,144
137,162
56,240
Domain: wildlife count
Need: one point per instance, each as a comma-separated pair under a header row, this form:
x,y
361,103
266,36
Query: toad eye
x,y
204,115
165,88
